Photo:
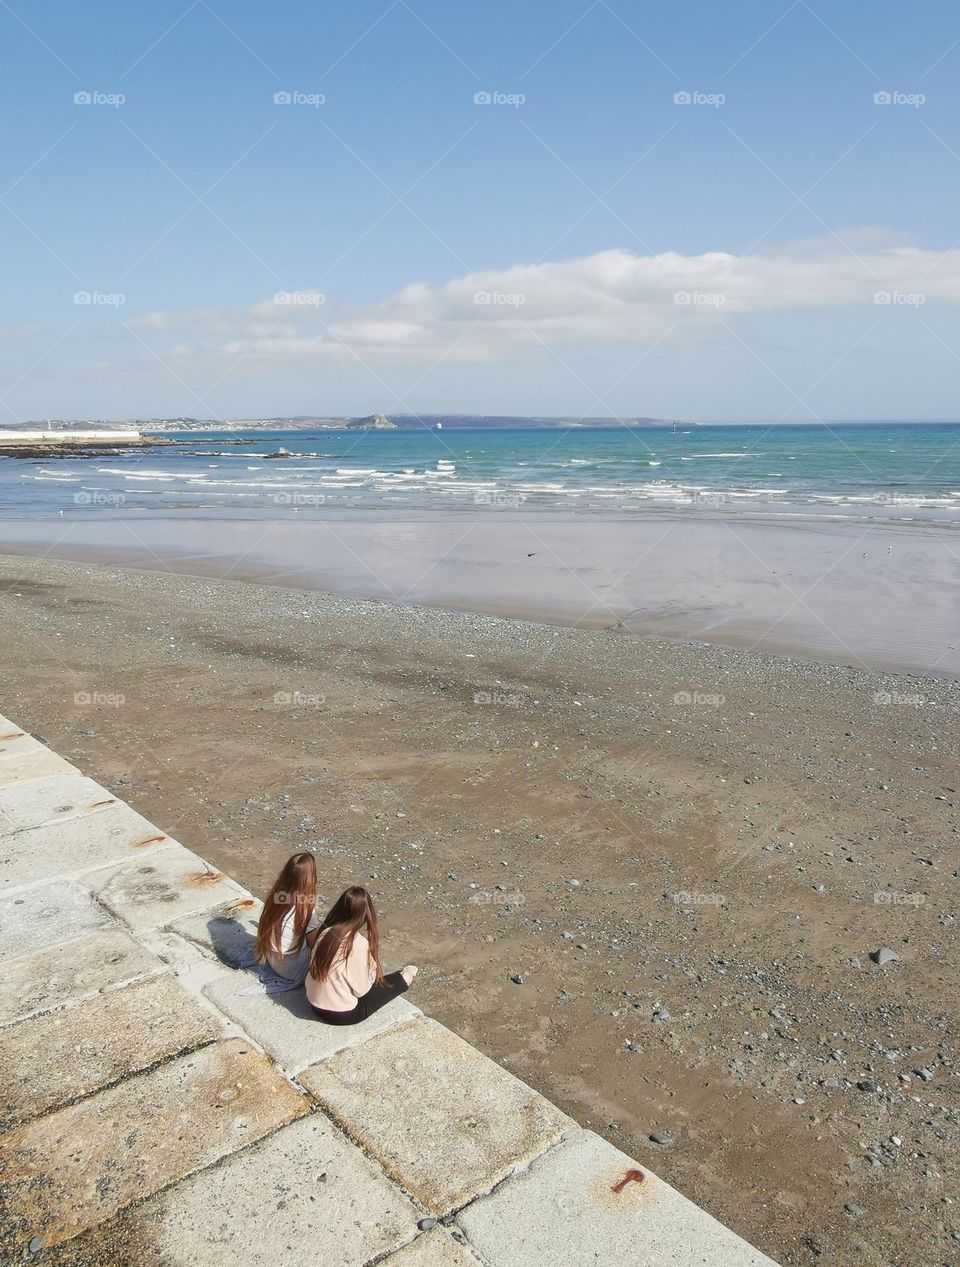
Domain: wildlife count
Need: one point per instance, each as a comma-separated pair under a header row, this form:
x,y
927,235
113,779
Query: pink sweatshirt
x,y
347,980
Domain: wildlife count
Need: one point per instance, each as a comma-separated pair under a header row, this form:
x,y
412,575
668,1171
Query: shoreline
x,y
678,847
876,597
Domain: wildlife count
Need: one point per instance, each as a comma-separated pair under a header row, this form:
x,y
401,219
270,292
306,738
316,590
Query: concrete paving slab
x,y
286,1026
47,915
23,757
305,1197
444,1121
57,976
227,933
77,845
436,1248
53,1060
77,1167
47,800
564,1211
155,889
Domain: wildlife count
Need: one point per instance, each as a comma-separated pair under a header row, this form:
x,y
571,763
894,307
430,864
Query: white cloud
x,y
614,297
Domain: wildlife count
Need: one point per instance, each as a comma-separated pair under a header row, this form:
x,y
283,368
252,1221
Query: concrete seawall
x,y
155,1111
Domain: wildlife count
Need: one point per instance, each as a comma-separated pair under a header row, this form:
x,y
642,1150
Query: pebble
x,y
426,1224
856,1210
658,1137
516,978
36,1245
883,956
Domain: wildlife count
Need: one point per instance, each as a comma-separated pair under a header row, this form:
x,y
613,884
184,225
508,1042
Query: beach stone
x,y
46,916
435,1249
883,956
161,886
563,1211
856,1210
287,1027
47,800
77,1167
69,848
307,1182
658,1137
469,1125
50,978
51,1060
22,757
227,933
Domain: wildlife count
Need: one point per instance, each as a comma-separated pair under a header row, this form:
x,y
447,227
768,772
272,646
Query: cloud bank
x,y
613,298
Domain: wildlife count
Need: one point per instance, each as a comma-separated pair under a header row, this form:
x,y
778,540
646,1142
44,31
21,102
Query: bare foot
x,y
409,972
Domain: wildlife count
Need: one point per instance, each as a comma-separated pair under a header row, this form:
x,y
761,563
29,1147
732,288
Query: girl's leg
x,y
378,995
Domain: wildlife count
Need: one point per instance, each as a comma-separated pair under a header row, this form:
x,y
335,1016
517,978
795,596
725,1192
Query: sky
x,y
573,208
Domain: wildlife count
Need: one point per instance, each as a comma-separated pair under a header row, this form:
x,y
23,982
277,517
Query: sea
x,y
905,472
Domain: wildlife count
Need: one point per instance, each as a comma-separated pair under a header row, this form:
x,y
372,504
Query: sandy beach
x,y
646,875
865,594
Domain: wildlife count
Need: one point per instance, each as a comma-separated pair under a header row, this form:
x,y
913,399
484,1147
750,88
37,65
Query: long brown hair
x,y
295,889
353,912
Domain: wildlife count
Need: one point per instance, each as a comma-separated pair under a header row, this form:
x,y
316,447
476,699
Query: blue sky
x,y
585,243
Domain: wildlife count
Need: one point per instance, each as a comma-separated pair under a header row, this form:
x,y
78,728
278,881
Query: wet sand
x,y
856,593
686,852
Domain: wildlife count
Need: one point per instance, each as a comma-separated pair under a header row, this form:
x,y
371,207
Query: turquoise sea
x,y
881,471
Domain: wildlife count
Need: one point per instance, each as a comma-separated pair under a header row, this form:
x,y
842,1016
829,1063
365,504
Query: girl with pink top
x,y
346,983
